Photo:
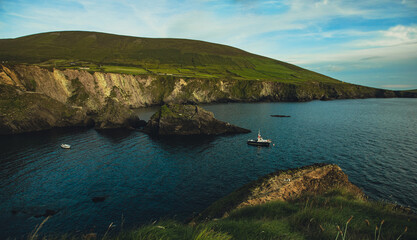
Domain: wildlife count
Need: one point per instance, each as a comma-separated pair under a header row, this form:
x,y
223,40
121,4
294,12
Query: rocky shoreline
x,y
35,98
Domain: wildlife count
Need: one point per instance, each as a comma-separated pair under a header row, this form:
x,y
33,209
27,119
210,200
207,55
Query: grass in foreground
x,y
334,215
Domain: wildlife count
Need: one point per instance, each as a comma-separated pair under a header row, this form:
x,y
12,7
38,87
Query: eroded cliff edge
x,y
90,89
99,97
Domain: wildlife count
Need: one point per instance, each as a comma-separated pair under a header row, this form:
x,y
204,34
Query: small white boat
x,y
65,146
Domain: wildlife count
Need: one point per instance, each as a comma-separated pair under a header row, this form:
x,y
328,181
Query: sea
x,y
126,178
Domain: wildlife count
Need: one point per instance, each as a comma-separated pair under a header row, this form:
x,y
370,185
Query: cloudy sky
x,y
367,42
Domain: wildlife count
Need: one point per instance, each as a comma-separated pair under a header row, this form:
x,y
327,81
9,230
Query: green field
x,y
94,51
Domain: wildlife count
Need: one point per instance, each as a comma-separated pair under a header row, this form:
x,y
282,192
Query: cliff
x,y
90,89
178,119
34,99
89,92
22,111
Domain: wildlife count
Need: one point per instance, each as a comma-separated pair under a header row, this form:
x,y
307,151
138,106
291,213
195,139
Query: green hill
x,y
134,55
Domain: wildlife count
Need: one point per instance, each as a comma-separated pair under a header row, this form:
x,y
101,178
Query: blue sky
x,y
368,42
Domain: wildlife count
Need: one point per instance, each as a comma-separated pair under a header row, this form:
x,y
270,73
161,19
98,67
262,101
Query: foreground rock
x,y
176,119
282,185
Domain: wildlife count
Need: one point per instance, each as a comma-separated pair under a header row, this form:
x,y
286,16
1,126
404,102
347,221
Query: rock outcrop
x,y
116,115
282,185
91,89
22,111
25,111
177,119
85,94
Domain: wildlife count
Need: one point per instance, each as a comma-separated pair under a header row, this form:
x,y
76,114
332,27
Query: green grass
x,y
133,55
124,70
309,217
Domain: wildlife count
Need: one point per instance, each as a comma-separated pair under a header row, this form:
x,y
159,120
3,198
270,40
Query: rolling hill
x,y
124,54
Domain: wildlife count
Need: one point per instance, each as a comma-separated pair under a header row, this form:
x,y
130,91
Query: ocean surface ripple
x,y
141,179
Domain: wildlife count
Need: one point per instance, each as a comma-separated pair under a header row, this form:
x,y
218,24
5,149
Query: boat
x,y
259,141
65,146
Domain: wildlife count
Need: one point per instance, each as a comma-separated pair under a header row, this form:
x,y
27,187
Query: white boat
x,y
259,141
65,146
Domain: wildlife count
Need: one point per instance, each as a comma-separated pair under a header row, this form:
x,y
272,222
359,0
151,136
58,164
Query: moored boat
x,y
65,146
259,141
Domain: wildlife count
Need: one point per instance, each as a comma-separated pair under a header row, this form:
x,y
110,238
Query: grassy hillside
x,y
336,214
122,54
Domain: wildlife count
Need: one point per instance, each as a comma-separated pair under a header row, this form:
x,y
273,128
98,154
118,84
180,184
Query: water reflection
x,y
115,135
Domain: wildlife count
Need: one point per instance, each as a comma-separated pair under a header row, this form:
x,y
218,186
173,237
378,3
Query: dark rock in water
x,y
280,116
98,199
35,211
178,119
135,122
48,212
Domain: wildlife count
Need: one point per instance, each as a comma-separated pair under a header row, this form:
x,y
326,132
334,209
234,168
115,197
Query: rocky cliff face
x,y
283,185
89,91
22,111
176,119
34,98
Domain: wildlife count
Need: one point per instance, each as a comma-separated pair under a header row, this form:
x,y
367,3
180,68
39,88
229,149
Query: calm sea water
x,y
142,179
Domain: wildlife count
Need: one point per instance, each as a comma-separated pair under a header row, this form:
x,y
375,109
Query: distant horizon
x,y
370,43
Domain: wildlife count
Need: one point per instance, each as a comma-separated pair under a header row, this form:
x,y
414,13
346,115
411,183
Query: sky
x,y
367,42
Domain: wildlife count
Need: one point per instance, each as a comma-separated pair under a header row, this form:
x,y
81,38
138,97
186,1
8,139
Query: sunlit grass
x,y
336,214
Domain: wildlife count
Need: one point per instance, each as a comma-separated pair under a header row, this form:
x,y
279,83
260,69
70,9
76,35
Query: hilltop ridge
x,y
188,58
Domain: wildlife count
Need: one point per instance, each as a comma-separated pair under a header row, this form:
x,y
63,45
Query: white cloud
x,y
394,44
397,35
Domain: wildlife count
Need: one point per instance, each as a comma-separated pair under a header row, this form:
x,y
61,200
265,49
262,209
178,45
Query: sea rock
x,y
98,199
283,185
176,119
116,115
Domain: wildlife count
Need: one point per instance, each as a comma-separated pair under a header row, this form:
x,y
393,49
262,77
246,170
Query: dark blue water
x,y
143,179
